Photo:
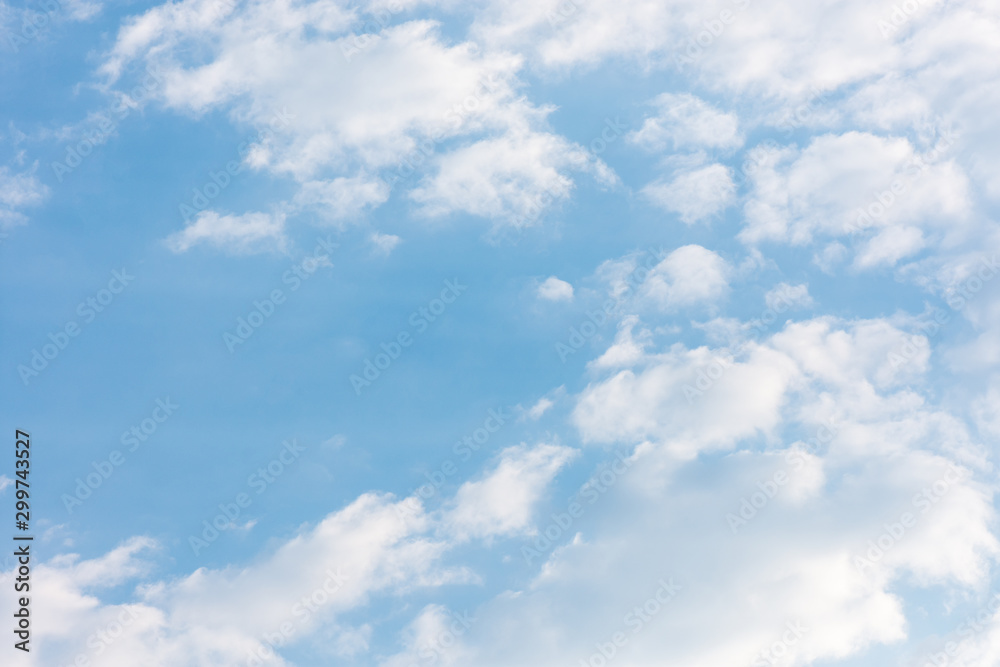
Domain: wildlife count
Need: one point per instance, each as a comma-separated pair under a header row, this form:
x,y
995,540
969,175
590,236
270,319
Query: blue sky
x,y
772,388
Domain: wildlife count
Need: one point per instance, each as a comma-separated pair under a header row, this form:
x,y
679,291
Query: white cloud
x,y
238,234
342,198
843,185
890,245
553,289
794,557
684,120
661,401
694,194
502,502
416,103
18,191
627,349
83,10
294,593
433,636
986,411
513,178
384,243
690,275
540,408
456,117
740,591
783,296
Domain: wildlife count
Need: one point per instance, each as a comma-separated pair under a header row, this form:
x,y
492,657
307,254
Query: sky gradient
x,y
503,333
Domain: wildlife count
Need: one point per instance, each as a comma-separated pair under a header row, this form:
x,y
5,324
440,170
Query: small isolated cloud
x,y
542,406
5,481
384,243
784,296
18,191
536,411
553,289
82,10
237,234
696,194
689,275
336,442
685,120
245,527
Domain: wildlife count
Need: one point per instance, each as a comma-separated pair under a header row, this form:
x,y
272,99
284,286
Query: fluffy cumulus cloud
x,y
686,121
295,595
779,444
688,276
878,192
383,243
512,178
440,120
554,289
815,416
694,194
240,234
818,401
502,503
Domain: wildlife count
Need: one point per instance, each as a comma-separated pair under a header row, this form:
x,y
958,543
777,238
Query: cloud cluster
x,y
376,546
